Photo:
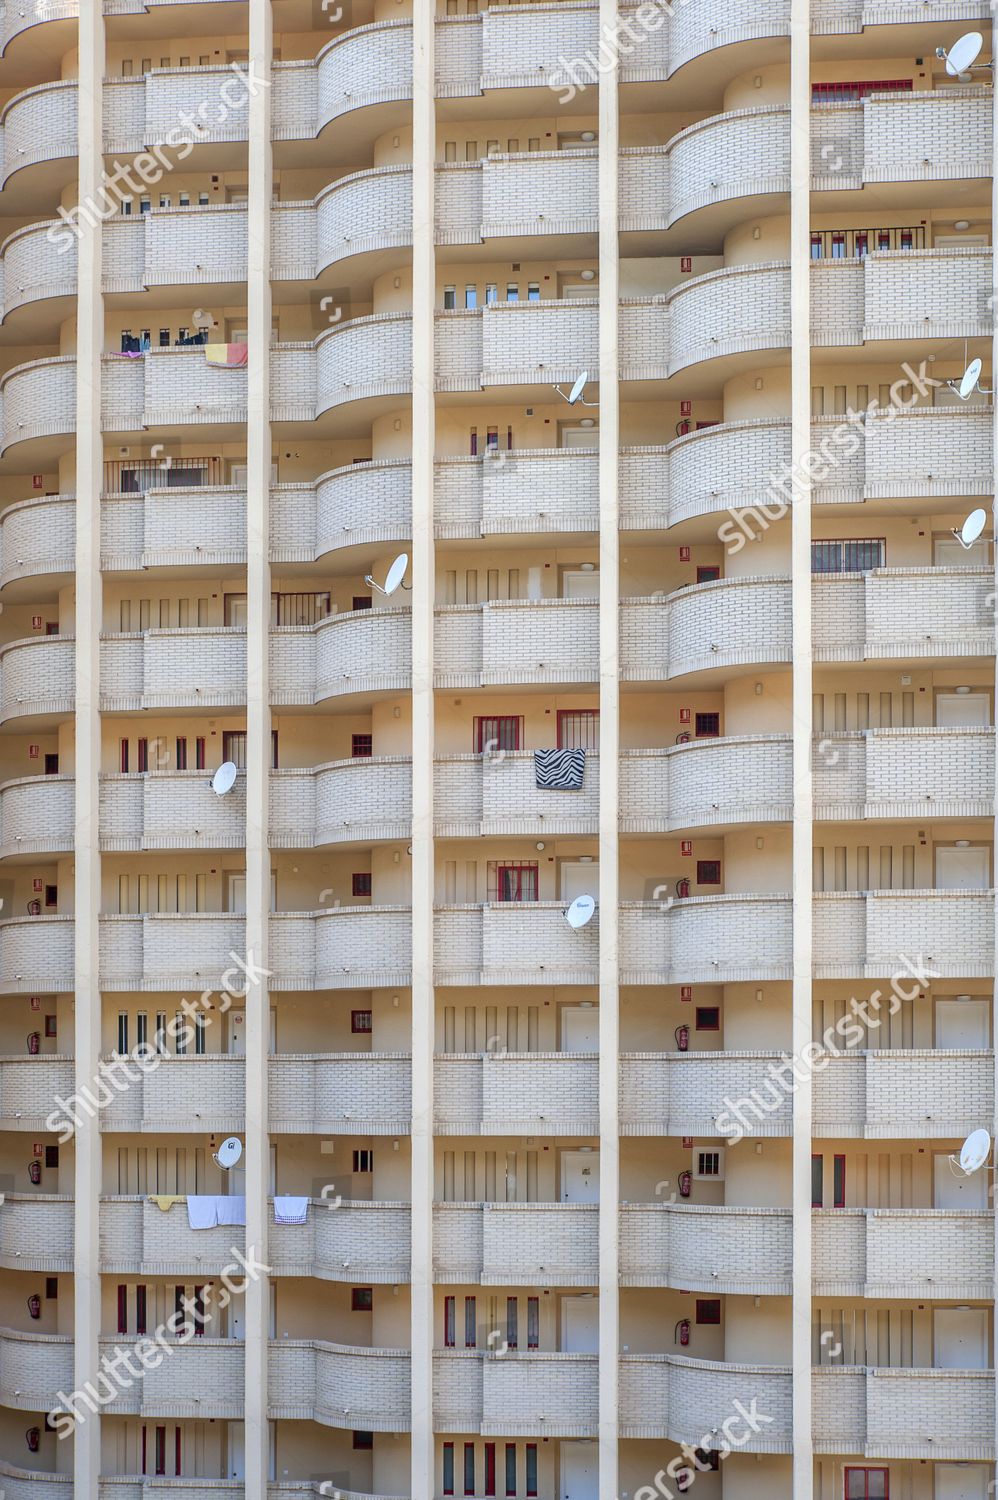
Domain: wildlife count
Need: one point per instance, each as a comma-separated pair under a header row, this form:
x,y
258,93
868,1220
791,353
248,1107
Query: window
x,y
361,601
707,573
360,1022
363,1160
533,291
498,732
513,882
471,296
867,1484
450,294
361,746
469,1468
708,1018
143,755
578,729
450,1336
140,1309
363,1442
123,756
362,1299
708,1164
199,753
511,1468
470,1323
160,1450
848,555
490,1468
708,726
360,883
708,872
817,1182
512,1321
708,1310
52,1158
52,1290
531,1468
448,1474
122,1033
181,752
838,1182
533,1322
122,1309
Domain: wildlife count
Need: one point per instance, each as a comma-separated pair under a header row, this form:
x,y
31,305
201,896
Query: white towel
x,y
288,1210
232,1210
202,1211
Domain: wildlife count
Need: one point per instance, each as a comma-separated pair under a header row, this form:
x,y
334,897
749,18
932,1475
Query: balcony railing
x,y
909,1413
903,1252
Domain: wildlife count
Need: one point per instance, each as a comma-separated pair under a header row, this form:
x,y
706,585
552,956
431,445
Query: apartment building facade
x,y
659,1203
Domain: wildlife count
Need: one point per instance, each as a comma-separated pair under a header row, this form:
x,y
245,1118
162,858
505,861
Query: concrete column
x,y
422,596
994,488
803,809
609,986
89,473
258,741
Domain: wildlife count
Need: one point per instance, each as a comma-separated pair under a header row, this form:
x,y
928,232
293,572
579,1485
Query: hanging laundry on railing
x,y
290,1210
559,770
226,356
206,1210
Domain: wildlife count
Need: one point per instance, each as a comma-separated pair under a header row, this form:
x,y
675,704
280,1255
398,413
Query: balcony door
x,y
960,1338
963,869
580,1325
579,1028
961,1481
578,879
962,1023
963,710
953,1190
579,1177
580,1471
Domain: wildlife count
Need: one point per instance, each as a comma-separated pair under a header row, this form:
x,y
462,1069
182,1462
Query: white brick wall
x,y
704,1248
906,1252
672,1093
36,1232
340,1385
671,1396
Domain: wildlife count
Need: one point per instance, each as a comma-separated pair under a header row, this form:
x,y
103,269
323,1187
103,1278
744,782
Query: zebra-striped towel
x,y
559,770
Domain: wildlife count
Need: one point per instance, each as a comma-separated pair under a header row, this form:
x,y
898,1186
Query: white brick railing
x,y
890,773
903,1252
343,948
871,617
671,1396
33,1366
339,1385
516,1394
865,933
706,1248
912,137
691,1093
924,1094
507,1093
551,1244
138,1237
29,1087
345,1240
905,1413
357,1093
36,1232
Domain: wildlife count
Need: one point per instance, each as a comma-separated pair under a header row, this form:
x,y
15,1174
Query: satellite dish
x,y
575,395
228,1152
393,578
581,911
971,376
224,778
975,1151
971,528
963,54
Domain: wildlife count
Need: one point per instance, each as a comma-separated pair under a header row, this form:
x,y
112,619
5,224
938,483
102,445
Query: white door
x,y
236,1018
580,584
963,710
962,1023
579,879
237,1451
579,1177
580,1325
954,1190
947,552
579,1028
960,1336
235,892
961,1481
580,1471
962,869
574,435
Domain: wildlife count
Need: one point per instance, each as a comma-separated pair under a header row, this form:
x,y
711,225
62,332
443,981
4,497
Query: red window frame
x,y
469,1468
708,572
181,752
838,1181
533,1322
160,1455
824,93
143,755
707,726
490,1469
587,716
140,1309
708,872
708,1310
362,1299
122,1309
361,746
361,1022
819,1201
514,879
123,757
450,1316
866,1472
707,1018
497,732
471,1322
360,883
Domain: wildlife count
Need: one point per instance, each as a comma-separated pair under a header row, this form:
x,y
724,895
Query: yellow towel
x,y
229,356
165,1201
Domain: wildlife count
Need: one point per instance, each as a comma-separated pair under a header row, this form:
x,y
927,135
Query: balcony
x,y
36,1232
917,137
33,1367
903,1252
905,773
674,1093
346,1241
862,934
892,1095
339,1385
905,1413
137,1237
731,622
356,1093
516,1394
511,641
169,950
14,24
670,1396
362,651
705,939
37,125
530,1093
178,1094
513,943
344,948
502,1244
29,1087
141,111
915,613
707,1249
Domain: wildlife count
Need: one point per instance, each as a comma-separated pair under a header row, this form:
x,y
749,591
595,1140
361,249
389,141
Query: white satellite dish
x,y
581,911
228,1152
971,376
963,54
393,578
575,395
971,528
975,1151
224,778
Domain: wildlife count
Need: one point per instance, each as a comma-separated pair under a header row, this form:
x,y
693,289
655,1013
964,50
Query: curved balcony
x,y
861,933
705,939
507,1093
15,23
38,399
495,1244
690,1093
936,136
346,1241
892,613
735,310
515,1394
33,1366
344,948
38,125
731,622
37,676
368,502
369,66
30,1484
361,213
339,1385
190,246
150,108
742,779
36,263
36,954
357,1093
361,651
926,1095
205,665
905,1413
176,1094
903,1252
29,1087
670,1396
707,1249
342,801
36,815
36,1232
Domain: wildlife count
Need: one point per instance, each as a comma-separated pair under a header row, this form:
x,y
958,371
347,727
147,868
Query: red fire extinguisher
x,y
35,1305
34,908
33,1437
682,428
682,1038
681,1332
683,737
685,1184
683,1480
34,1043
682,887
35,1172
